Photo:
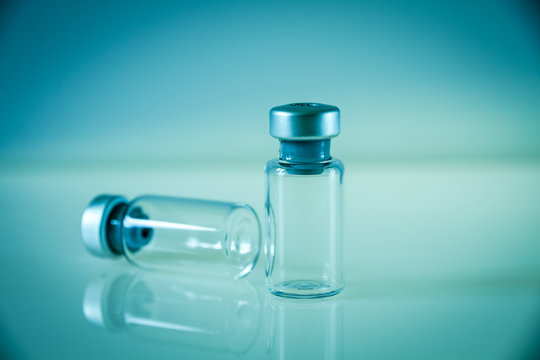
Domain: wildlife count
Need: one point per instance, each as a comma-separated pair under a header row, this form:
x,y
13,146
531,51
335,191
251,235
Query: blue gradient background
x,y
188,80
440,139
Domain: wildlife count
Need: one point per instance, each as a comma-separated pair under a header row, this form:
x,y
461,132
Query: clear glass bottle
x,y
174,234
304,246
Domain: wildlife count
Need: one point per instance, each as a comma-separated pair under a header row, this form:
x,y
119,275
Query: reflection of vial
x,y
303,204
218,315
187,235
310,329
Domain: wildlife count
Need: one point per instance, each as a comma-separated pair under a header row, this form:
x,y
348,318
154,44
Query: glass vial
x,y
174,234
304,246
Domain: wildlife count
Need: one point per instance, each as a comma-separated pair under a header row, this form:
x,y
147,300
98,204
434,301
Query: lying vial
x,y
304,247
174,234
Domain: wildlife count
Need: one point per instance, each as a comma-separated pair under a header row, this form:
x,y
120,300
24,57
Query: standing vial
x,y
304,246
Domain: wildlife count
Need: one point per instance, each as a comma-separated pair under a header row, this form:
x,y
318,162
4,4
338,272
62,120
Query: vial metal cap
x,y
304,121
94,224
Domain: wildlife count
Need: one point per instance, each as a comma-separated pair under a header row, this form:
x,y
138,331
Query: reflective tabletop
x,y
441,262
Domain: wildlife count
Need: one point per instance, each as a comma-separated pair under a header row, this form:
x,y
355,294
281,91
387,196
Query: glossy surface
x,y
441,261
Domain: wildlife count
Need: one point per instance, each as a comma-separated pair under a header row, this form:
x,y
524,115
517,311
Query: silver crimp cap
x,y
304,121
94,224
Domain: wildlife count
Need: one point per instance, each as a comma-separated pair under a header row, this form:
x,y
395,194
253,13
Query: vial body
x,y
304,246
191,235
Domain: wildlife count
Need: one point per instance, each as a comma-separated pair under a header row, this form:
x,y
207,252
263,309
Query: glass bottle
x,y
175,234
304,246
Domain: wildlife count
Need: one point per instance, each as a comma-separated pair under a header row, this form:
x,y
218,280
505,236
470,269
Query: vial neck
x,y
136,237
114,228
310,151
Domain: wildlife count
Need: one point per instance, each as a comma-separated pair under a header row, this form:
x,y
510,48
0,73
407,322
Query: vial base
x,y
305,289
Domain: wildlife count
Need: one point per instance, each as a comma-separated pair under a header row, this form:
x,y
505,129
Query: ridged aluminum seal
x,y
304,121
94,224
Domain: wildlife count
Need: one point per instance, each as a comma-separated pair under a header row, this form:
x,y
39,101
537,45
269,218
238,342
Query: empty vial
x,y
174,234
304,247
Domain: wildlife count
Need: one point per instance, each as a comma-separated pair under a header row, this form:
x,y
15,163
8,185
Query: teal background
x,y
101,81
440,141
